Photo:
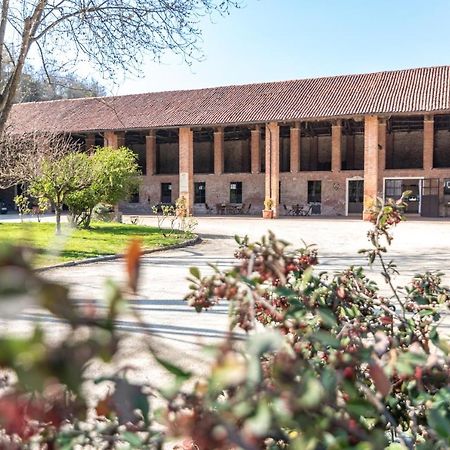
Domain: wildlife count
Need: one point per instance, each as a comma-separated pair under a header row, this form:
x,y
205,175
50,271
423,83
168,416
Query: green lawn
x,y
101,239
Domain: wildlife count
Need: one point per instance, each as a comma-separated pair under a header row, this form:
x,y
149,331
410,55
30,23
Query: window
x,y
315,154
236,192
134,195
200,192
356,191
314,191
136,142
166,192
447,186
236,150
393,188
404,143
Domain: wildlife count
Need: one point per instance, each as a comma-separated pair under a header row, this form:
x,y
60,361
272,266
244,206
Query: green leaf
x,y
133,439
327,339
195,272
260,423
327,317
313,392
361,408
439,420
180,374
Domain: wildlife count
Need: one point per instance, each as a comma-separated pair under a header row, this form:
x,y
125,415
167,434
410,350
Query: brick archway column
x,y
186,177
336,144
114,139
255,144
150,153
428,143
272,178
218,151
90,141
371,163
295,147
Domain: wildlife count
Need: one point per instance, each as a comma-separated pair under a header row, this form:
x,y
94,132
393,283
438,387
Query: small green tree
x,y
61,178
23,205
114,176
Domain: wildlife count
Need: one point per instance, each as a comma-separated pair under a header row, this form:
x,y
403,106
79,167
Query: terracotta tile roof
x,y
403,91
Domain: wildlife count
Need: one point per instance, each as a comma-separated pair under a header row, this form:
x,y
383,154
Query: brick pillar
x,y
114,139
382,141
428,142
370,163
255,150
336,135
186,149
272,177
90,141
218,151
295,147
150,152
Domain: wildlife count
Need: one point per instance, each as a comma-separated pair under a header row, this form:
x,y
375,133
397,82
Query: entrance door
x,y
394,189
414,198
430,198
355,196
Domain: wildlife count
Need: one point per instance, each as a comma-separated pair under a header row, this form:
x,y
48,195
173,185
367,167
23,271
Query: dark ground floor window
x,y
134,196
236,192
200,192
314,191
393,188
166,192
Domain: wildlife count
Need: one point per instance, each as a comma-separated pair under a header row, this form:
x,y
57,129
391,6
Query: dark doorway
x,y
430,198
394,188
166,192
355,196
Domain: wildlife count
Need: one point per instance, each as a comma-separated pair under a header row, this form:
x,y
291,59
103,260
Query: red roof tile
x,y
403,91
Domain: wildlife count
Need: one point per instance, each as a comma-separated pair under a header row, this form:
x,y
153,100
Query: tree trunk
x,y
58,219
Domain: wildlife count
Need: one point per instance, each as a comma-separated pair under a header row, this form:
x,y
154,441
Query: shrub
x,y
114,175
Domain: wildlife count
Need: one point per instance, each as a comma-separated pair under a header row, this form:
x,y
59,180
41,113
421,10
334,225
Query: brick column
x,y
382,141
114,139
336,134
370,163
90,141
255,150
218,151
186,177
295,147
272,177
428,142
150,152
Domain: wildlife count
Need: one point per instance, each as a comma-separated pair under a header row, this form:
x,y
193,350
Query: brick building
x,y
335,142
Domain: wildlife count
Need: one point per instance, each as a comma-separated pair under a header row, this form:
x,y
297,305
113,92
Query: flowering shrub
x,y
329,361
346,366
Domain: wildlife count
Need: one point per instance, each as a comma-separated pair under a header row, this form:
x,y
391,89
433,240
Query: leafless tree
x,y
22,155
110,34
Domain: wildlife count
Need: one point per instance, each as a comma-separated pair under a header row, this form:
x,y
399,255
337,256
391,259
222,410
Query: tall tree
x,y
110,34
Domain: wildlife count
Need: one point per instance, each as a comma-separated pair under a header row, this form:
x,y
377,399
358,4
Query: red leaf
x,y
132,258
380,379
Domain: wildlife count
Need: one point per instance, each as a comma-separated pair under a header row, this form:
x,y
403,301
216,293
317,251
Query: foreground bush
x,y
331,362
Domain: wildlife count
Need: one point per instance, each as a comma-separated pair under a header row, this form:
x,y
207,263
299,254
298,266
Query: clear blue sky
x,y
269,40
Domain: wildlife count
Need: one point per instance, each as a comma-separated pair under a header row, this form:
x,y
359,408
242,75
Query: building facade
x,y
334,143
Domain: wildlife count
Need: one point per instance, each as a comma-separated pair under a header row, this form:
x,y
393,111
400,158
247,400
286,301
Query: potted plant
x,y
268,211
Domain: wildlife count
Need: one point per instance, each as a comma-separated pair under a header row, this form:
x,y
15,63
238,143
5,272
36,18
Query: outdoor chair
x,y
288,211
239,209
248,209
209,210
306,210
